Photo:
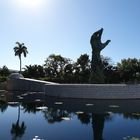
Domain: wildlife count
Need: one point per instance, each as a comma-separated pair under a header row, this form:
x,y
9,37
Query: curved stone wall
x,y
94,91
26,84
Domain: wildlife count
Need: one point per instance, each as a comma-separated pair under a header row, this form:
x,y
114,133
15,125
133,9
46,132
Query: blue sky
x,y
65,27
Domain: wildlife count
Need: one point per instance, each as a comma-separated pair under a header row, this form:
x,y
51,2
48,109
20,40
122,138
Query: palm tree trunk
x,y
20,63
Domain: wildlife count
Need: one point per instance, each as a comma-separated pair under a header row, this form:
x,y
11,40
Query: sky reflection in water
x,y
59,119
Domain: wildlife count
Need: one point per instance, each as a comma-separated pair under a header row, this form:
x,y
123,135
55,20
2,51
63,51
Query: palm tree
x,y
19,50
18,129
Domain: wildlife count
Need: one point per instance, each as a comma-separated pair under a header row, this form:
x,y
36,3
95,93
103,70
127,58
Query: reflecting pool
x,y
32,116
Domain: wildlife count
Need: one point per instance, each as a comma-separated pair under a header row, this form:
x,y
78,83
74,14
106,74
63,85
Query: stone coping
x,y
100,85
40,81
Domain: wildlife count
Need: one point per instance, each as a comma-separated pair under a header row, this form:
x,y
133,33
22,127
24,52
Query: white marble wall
x,y
101,91
91,91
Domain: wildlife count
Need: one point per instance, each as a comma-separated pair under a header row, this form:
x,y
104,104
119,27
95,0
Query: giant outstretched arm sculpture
x,y
95,40
97,75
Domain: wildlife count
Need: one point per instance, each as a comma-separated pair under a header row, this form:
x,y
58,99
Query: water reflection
x,y
18,129
3,106
55,115
84,117
97,121
89,112
31,107
98,125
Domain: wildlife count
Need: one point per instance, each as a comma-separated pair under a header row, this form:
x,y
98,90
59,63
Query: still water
x,y
32,116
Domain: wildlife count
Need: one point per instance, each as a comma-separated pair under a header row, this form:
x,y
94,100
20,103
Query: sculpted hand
x,y
103,45
96,40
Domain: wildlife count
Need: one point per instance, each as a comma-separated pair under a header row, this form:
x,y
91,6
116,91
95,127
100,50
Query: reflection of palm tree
x,y
20,49
18,129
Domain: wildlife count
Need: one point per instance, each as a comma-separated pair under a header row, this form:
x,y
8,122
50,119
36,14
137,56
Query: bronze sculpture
x,y
97,75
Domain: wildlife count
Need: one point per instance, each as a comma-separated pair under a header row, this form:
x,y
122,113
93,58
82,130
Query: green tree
x,y
55,65
34,71
82,69
4,71
19,50
110,71
129,70
83,62
69,73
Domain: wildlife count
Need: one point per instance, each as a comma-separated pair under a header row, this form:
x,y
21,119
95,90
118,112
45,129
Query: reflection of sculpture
x,y
97,75
98,121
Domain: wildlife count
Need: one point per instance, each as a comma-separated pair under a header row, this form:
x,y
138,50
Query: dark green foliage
x,y
129,70
34,71
64,70
82,69
3,78
4,73
54,65
110,71
69,73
